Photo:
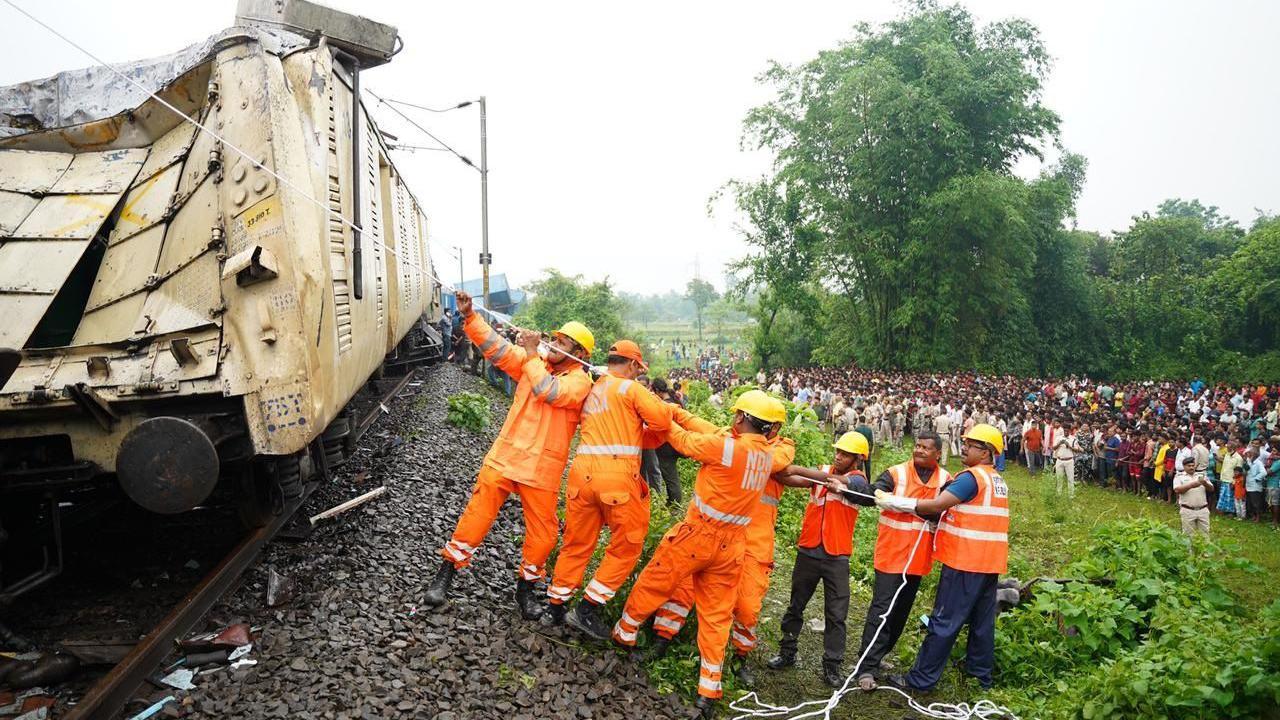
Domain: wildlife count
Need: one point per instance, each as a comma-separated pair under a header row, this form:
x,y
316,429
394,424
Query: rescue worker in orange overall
x,y
898,540
824,547
606,489
709,544
756,568
972,543
529,456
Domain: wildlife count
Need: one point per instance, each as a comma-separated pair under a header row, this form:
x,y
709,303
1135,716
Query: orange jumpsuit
x,y
708,545
757,566
605,488
529,456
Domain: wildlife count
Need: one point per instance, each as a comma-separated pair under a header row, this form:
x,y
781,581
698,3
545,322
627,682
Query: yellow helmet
x,y
779,408
853,442
987,434
758,404
579,333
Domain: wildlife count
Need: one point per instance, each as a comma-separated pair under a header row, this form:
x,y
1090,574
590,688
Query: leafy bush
x,y
1144,629
469,410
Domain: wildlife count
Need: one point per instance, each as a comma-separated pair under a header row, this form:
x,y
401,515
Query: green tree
x,y
895,149
701,293
558,298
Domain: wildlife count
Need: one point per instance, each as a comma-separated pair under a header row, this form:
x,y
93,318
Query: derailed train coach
x,y
187,317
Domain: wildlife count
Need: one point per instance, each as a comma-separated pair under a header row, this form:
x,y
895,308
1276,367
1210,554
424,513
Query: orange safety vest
x,y
612,432
761,529
974,536
829,519
897,532
533,446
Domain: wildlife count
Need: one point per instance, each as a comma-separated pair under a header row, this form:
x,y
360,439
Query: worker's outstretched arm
x,y
506,357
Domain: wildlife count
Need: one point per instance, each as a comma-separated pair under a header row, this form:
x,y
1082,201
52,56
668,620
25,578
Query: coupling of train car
x,y
110,695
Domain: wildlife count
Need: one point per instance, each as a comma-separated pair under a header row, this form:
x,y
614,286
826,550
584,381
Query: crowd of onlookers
x,y
1141,437
1148,438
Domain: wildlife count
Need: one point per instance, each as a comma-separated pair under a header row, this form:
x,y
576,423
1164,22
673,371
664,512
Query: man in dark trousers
x,y
825,544
899,547
973,546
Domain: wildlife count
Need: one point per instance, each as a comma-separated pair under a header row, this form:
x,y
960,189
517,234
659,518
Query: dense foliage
x,y
892,230
468,410
1144,628
558,298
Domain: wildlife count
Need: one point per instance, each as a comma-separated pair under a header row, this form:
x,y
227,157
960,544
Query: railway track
x,y
109,696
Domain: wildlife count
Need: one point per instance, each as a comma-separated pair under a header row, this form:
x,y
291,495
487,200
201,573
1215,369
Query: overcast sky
x,y
611,125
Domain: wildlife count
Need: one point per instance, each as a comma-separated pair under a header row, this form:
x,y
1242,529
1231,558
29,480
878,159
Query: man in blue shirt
x,y
1112,454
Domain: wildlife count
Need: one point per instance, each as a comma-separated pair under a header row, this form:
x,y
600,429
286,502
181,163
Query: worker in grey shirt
x,y
1193,503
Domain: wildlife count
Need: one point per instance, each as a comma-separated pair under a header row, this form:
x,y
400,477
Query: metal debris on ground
x,y
228,638
353,502
154,708
280,589
180,679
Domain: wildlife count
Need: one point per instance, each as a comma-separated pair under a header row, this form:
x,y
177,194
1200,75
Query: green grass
x,y
1046,533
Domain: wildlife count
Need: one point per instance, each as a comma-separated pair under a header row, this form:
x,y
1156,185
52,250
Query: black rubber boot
x,y
527,600
658,648
438,591
743,672
706,707
832,676
555,613
586,618
782,660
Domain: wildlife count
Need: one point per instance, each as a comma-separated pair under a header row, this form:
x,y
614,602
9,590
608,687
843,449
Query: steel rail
x,y
112,693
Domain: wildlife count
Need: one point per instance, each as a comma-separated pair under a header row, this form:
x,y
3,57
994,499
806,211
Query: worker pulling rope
x,y
983,709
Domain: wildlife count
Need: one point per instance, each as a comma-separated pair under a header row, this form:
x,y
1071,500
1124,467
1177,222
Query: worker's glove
x,y
894,502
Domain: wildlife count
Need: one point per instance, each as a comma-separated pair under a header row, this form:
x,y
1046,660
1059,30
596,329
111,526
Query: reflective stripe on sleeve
x,y
769,500
726,458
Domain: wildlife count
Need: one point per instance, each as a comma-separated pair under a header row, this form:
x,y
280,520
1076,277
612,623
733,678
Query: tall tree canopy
x,y
559,298
892,231
894,151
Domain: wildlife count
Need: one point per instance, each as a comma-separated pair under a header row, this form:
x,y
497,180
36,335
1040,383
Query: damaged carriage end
x,y
216,311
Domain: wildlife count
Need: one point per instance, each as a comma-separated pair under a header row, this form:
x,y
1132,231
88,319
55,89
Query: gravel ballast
x,y
356,640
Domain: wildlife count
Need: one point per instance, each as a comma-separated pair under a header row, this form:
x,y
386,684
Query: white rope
x,y
982,710
305,195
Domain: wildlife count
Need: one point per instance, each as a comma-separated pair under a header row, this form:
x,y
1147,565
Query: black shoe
x,y
527,600
706,707
781,660
586,618
746,677
832,677
438,591
897,680
658,648
555,612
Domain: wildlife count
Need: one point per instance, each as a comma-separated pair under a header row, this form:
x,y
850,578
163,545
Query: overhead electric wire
x,y
460,105
421,129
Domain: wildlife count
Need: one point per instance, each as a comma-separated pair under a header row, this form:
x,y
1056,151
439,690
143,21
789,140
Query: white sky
x,y
609,127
